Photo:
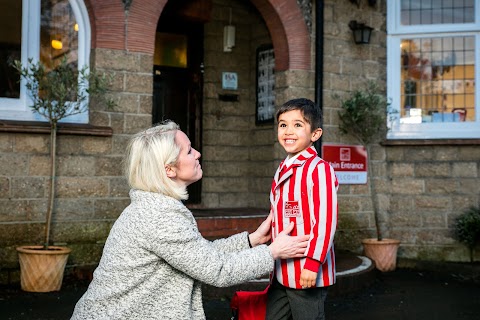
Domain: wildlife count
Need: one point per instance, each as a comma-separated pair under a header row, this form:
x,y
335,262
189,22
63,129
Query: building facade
x,y
219,68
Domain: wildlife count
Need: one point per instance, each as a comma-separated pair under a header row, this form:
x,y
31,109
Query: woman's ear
x,y
170,172
317,133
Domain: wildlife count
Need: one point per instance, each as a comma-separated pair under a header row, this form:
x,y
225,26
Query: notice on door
x,y
348,161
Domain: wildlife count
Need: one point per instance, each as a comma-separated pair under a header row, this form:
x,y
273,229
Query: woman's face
x,y
188,169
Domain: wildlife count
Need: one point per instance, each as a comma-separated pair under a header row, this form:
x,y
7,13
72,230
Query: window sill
x,y
63,128
430,142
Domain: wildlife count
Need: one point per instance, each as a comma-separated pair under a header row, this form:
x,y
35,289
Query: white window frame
x,y
18,109
395,33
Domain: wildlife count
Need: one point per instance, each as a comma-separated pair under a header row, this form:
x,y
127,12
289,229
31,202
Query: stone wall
x,y
237,154
429,187
91,190
421,185
239,157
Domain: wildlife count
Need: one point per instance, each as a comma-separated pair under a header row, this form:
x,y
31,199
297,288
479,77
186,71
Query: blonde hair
x,y
148,153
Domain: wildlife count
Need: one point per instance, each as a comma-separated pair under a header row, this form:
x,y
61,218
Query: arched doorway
x,y
178,71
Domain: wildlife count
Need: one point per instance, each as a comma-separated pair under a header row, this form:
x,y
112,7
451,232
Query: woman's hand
x,y
262,234
286,247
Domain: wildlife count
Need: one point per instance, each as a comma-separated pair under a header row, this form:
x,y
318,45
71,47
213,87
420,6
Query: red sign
x,y
349,162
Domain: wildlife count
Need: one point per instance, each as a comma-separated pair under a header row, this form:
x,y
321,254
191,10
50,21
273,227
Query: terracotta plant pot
x,y
42,270
383,252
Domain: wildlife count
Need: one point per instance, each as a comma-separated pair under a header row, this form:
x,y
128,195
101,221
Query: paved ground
x,y
402,294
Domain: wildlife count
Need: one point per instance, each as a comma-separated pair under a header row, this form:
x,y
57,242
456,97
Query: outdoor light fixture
x,y
228,38
229,35
361,32
371,3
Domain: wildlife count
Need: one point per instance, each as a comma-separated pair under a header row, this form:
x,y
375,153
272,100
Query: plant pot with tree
x,y
364,116
55,94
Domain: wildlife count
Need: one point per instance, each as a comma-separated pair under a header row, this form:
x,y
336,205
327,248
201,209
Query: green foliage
x,y
364,115
467,228
56,94
63,91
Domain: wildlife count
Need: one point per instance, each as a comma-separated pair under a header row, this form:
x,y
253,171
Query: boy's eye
x,y
298,125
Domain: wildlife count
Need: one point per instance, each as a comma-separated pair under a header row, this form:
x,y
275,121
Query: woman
x,y
155,259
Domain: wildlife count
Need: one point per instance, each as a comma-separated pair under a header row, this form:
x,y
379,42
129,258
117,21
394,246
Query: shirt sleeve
x,y
312,264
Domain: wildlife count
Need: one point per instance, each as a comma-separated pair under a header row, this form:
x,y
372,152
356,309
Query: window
x,y
433,54
265,110
46,31
170,50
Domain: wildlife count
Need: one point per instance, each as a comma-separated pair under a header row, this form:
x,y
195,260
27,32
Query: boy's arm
x,y
323,207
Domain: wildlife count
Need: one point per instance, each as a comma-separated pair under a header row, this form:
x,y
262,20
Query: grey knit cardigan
x,y
155,260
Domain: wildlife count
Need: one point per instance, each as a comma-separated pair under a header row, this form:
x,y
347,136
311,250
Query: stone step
x,y
354,273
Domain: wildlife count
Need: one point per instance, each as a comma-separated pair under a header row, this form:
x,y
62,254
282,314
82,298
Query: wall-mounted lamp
x,y
229,35
371,3
228,38
361,32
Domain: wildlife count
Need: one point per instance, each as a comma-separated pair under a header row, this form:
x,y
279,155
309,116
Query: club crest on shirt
x,y
291,210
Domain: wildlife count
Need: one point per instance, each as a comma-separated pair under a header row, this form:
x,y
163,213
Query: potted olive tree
x,y
467,229
364,116
56,94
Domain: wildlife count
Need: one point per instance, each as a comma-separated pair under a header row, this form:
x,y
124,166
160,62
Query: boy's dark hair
x,y
310,111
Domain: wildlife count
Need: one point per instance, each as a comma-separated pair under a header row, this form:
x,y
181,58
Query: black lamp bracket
x,y
371,3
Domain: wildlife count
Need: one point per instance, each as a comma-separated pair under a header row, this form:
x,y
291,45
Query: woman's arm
x,y
177,240
244,241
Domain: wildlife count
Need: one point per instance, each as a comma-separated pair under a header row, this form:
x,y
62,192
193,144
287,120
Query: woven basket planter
x,y
383,252
42,270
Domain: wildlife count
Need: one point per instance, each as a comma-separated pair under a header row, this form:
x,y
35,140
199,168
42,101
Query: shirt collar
x,y
300,157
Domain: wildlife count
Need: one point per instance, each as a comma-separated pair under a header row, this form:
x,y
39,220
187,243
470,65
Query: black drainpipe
x,y
319,65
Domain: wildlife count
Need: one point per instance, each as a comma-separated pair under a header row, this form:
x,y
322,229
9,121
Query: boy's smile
x,y
295,133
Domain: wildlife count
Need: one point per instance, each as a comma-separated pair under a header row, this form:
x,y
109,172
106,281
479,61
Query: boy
x,y
304,190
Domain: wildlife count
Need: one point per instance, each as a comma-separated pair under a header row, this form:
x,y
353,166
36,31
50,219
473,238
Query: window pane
x,y
58,33
438,80
170,50
415,12
10,46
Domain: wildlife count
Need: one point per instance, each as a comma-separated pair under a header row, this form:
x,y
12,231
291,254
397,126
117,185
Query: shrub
x,y
467,228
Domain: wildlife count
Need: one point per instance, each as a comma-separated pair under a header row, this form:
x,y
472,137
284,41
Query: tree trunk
x,y
373,194
51,189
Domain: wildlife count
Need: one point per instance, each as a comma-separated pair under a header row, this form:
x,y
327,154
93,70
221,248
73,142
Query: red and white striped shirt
x,y
305,192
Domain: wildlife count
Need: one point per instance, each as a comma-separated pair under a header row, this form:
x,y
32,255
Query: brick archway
x,y
113,29
284,19
291,40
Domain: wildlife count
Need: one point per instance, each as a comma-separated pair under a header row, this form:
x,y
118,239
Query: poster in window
x,y
265,99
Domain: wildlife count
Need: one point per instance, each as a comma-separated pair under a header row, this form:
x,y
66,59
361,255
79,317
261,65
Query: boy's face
x,y
295,133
